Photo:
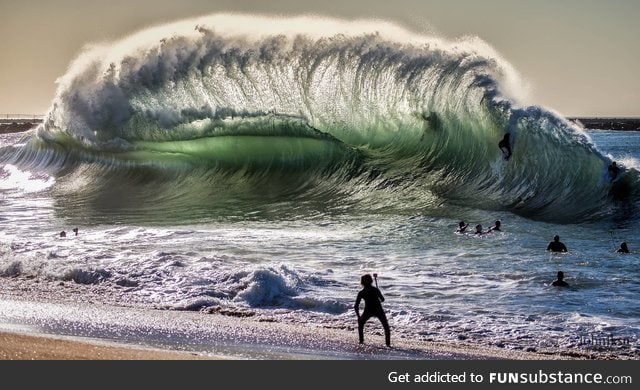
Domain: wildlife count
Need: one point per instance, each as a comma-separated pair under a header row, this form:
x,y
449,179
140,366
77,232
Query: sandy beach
x,y
43,330
16,346
20,346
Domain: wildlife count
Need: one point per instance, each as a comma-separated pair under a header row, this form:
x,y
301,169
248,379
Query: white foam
x,y
12,178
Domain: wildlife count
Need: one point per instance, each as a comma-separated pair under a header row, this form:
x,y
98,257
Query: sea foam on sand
x,y
163,334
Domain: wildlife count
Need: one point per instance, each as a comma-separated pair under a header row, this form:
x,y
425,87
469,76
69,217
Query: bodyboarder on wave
x,y
505,146
613,171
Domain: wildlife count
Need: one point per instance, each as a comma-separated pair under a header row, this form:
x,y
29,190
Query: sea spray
x,y
330,107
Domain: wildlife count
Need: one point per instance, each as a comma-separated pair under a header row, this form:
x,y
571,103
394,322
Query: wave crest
x,y
369,100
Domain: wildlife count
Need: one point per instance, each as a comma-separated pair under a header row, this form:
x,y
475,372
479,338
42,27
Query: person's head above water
x,y
556,238
366,280
461,224
560,280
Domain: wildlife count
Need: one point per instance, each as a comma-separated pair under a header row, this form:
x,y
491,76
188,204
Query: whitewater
x,y
260,165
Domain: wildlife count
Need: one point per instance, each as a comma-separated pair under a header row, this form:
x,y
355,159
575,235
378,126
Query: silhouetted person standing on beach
x,y
505,146
372,308
623,248
559,282
556,245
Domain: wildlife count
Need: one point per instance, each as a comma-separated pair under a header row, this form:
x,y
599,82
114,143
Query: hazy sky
x,y
581,56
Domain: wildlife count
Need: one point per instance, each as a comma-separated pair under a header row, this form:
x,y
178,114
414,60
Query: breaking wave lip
x,y
368,100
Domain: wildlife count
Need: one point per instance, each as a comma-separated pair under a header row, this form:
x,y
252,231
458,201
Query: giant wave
x,y
313,105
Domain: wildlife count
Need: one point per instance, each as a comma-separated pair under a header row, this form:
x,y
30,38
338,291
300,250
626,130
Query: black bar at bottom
x,y
331,375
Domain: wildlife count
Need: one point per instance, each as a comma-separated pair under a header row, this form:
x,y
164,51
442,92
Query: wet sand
x,y
19,346
16,346
58,331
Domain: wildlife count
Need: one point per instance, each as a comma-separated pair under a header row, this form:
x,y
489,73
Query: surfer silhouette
x,y
556,245
478,230
623,248
372,308
560,280
432,122
63,234
505,146
613,171
462,227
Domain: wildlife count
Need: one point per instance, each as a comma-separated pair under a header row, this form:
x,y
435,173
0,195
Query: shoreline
x,y
24,346
43,330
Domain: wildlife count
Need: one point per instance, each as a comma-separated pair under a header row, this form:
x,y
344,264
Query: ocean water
x,y
209,167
